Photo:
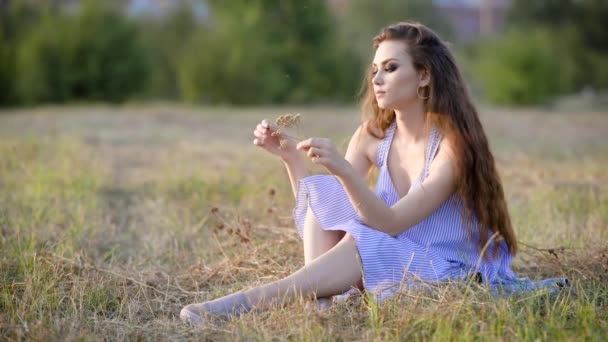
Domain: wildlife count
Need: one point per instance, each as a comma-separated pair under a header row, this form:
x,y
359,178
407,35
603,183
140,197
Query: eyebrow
x,y
386,61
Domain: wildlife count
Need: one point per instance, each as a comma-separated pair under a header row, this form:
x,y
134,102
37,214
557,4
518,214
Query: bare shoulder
x,y
445,161
446,147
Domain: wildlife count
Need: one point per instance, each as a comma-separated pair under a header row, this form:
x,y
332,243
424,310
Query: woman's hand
x,y
323,151
269,137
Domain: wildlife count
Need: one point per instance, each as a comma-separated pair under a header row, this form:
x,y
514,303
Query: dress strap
x,y
385,145
434,141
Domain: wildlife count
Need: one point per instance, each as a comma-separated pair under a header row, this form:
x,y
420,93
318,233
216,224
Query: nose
x,y
377,79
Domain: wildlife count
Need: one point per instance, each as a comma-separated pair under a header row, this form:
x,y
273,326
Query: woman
x,y
438,211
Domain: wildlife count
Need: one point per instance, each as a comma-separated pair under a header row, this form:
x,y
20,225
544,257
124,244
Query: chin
x,y
382,104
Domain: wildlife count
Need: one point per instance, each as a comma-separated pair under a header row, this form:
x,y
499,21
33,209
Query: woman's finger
x,y
262,131
267,129
314,152
260,135
305,144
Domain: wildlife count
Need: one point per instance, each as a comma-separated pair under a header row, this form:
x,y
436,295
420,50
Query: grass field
x,y
107,228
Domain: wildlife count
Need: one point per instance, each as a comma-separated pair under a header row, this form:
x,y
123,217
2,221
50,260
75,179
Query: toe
x,y
189,317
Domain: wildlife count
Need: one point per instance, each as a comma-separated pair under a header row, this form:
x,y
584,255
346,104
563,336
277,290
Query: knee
x,y
347,238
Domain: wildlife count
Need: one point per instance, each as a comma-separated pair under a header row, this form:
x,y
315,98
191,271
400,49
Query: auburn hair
x,y
450,109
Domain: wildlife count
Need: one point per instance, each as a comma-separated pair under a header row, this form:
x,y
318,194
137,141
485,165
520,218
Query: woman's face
x,y
394,79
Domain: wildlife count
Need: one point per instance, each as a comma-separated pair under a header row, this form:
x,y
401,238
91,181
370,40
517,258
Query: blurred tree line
x,y
551,48
278,51
48,55
247,52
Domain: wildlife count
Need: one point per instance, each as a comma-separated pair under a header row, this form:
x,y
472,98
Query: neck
x,y
411,121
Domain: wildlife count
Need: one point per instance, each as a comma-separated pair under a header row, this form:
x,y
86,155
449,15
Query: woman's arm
x,y
408,211
283,146
294,161
419,203
356,155
296,170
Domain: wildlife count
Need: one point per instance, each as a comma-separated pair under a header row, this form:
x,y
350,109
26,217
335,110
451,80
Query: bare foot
x,y
319,305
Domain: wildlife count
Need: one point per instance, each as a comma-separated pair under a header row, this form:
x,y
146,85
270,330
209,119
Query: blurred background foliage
x,y
245,52
550,48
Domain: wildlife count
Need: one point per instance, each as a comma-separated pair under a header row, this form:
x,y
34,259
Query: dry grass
x,y
112,219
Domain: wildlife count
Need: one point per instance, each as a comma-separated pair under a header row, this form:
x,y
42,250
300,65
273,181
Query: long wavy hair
x,y
449,108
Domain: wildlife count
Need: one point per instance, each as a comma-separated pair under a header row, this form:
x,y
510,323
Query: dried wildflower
x,y
214,210
229,230
272,192
220,226
285,121
288,120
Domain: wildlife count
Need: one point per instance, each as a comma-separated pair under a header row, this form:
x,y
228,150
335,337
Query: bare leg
x,y
316,240
332,273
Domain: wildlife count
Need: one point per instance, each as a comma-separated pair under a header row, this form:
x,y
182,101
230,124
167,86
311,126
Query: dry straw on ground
x,y
107,234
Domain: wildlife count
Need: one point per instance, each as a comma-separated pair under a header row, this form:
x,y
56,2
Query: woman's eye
x,y
391,68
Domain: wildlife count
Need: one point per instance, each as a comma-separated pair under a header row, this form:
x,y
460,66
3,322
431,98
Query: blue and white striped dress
x,y
438,248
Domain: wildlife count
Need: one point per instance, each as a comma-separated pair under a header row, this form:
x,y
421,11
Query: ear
x,y
424,78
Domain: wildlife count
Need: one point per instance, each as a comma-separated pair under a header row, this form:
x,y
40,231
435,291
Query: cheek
x,y
404,85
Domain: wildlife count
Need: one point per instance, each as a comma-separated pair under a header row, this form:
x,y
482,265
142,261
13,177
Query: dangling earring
x,y
418,93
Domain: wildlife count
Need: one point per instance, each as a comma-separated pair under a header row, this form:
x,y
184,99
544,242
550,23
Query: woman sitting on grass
x,y
438,212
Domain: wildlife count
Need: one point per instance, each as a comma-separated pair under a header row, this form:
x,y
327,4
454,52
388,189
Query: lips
x,y
380,92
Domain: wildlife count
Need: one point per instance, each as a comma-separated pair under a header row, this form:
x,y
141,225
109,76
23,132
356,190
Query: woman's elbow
x,y
387,223
391,226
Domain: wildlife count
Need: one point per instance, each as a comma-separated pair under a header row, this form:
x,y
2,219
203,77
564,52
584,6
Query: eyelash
x,y
390,68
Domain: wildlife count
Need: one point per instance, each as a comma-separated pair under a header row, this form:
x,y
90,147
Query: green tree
x,y
523,67
167,38
365,18
81,57
266,51
40,67
552,47
17,18
577,25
